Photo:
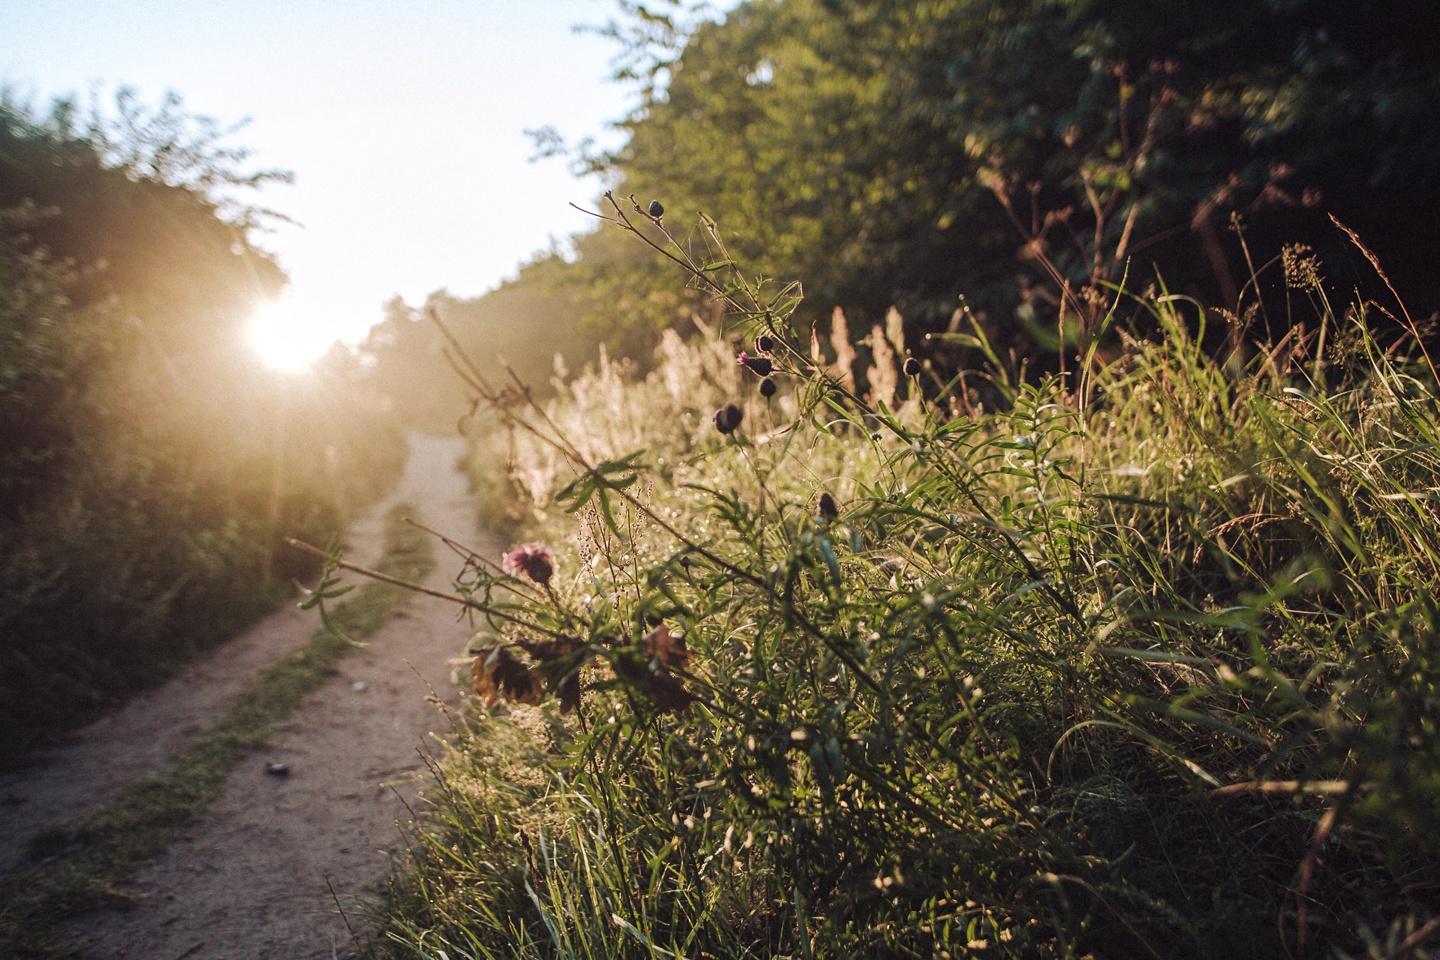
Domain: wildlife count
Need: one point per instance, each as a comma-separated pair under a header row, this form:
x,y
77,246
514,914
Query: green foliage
x,y
905,154
1142,670
148,464
36,370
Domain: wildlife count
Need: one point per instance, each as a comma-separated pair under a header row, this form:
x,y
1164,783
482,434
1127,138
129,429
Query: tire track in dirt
x,y
260,876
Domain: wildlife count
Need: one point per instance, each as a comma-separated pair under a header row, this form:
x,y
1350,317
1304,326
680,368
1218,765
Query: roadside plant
x,y
532,560
1141,669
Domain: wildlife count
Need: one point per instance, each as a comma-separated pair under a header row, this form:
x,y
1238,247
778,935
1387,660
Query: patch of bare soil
x,y
276,866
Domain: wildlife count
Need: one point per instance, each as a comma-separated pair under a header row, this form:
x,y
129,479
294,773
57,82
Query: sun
x,y
282,337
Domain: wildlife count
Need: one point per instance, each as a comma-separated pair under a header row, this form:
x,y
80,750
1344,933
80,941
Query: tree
x,y
148,464
519,327
911,153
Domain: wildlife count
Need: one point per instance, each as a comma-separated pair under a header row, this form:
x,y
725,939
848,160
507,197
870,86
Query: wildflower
x,y
531,559
728,417
759,365
764,344
828,510
912,367
767,388
656,209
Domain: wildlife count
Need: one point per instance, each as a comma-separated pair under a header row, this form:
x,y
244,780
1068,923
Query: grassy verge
x,y
84,863
1137,664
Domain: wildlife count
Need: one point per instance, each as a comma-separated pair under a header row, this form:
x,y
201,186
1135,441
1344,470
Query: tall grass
x,y
1151,673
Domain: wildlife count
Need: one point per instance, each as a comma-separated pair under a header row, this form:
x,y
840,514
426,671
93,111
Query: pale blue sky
x,y
403,124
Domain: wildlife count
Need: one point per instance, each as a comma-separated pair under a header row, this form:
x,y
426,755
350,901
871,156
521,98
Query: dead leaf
x,y
650,670
668,649
560,663
568,690
498,675
667,692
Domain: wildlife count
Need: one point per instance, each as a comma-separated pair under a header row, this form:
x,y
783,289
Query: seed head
x,y
828,510
657,210
764,344
767,388
728,418
912,367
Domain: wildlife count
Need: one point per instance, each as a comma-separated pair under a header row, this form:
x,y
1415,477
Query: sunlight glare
x,y
282,337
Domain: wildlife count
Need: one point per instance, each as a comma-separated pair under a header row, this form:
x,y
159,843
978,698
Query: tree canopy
x,y
908,154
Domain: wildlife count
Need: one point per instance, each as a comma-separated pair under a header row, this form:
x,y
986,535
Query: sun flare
x,y
282,338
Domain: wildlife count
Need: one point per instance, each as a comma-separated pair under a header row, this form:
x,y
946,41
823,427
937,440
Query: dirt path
x,y
260,876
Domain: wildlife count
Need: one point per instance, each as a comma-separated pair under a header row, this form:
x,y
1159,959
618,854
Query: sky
x,y
402,123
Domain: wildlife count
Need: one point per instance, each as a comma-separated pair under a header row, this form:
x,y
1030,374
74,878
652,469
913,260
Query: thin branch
x,y
421,588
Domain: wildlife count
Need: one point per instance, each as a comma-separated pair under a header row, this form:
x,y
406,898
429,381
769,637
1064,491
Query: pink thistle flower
x,y
760,365
530,559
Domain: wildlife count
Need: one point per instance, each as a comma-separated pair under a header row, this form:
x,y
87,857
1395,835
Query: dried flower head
x,y
767,388
529,559
828,509
764,344
657,210
728,417
912,367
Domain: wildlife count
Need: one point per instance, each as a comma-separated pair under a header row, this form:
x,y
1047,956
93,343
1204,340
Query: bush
x,y
148,465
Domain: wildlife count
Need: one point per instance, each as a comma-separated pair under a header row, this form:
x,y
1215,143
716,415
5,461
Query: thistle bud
x,y
728,417
767,388
764,344
657,210
912,367
760,365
